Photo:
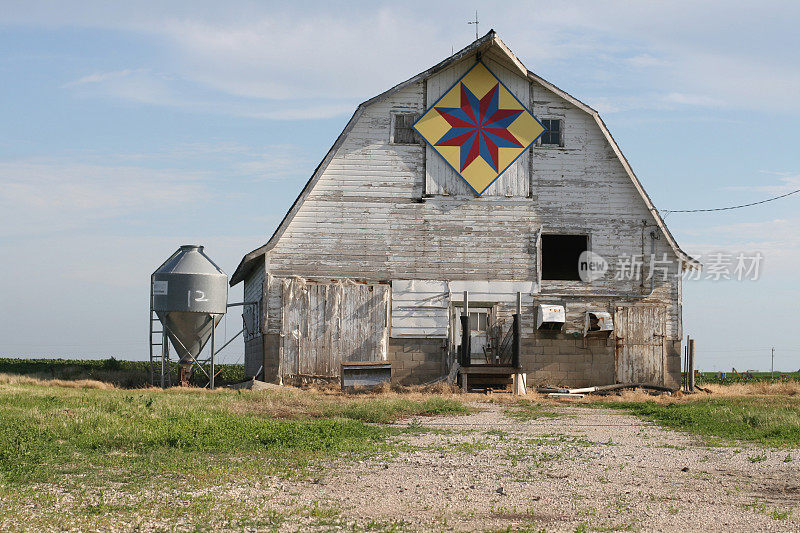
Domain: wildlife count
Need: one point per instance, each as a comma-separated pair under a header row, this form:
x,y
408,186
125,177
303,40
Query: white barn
x,y
372,259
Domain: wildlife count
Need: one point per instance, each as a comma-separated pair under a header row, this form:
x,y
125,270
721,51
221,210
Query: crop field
x,y
728,377
127,374
88,455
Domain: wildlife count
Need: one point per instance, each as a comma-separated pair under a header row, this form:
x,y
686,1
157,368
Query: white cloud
x,y
39,196
101,77
739,81
740,55
137,85
144,86
692,99
223,161
288,55
273,163
789,182
45,195
777,240
309,112
644,61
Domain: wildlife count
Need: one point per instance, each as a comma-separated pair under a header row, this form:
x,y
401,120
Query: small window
x,y
560,255
402,132
552,133
478,320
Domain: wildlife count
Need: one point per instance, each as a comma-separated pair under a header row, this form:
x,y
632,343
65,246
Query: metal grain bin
x,y
190,296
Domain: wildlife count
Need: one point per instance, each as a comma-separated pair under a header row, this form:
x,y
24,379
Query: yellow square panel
x,y
479,127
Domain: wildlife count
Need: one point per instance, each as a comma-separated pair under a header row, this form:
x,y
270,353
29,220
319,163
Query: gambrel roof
x,y
487,46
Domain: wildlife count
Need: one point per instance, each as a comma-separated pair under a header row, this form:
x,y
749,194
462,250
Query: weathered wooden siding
x,y
381,212
365,219
324,324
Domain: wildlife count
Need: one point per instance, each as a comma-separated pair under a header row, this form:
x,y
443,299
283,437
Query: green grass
x,y
112,450
776,513
769,421
55,427
383,410
525,410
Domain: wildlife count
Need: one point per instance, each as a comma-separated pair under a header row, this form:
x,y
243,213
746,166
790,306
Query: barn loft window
x,y
402,132
553,130
560,254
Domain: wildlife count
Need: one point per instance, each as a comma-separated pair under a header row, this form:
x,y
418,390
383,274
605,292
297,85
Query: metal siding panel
x,y
332,325
305,356
419,308
313,364
345,342
355,308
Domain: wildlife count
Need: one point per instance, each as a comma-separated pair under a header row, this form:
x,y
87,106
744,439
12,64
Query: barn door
x,y
640,344
325,324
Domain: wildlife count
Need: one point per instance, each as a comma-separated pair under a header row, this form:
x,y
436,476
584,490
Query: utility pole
x,y
772,371
476,24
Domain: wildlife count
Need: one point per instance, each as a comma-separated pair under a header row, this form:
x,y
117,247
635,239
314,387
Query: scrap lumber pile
x,y
561,392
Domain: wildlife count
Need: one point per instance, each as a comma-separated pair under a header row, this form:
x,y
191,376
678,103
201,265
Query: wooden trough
x,y
365,374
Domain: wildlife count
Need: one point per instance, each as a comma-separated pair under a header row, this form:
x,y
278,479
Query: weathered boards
x,y
325,324
386,211
640,344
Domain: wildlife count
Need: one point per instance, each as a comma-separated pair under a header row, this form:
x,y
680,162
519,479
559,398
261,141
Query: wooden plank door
x,y
640,353
326,324
365,323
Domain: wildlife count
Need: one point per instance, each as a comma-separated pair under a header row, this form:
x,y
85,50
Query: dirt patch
x,y
505,466
590,468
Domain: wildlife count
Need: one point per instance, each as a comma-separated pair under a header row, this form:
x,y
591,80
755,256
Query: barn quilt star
x,y
479,127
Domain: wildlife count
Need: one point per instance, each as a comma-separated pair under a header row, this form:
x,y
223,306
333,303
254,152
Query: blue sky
x,y
130,129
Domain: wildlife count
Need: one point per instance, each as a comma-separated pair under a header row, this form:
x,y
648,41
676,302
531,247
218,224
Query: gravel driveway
x,y
584,470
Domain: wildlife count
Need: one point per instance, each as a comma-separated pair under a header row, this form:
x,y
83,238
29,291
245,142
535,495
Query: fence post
x,y
691,365
685,368
517,335
466,348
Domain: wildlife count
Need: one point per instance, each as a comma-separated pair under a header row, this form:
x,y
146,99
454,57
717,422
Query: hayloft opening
x,y
402,132
560,255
